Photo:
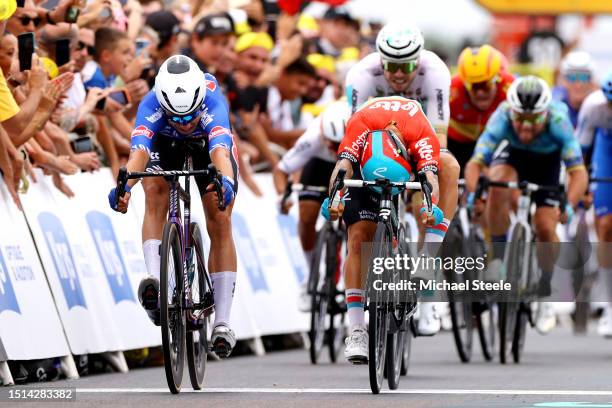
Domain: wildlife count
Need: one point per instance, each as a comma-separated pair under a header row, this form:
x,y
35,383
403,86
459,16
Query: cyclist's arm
x,y
438,107
359,86
425,150
304,149
585,128
577,176
221,145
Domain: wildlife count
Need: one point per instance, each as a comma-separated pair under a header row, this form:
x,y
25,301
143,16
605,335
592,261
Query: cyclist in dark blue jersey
x,y
186,105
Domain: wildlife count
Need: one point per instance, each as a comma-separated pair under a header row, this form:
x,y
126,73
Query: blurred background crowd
x,y
70,106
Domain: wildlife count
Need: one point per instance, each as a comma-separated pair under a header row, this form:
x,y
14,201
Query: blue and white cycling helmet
x,y
606,86
180,86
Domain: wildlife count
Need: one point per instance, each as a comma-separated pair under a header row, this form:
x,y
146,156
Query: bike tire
x,y
336,331
407,348
487,324
518,345
172,315
509,309
378,317
197,340
319,300
395,351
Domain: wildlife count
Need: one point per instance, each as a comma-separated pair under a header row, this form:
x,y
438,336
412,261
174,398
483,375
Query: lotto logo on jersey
x,y
211,86
218,131
142,130
424,149
396,105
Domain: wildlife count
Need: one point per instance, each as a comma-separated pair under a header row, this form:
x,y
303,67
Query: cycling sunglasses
x,y
90,50
578,77
533,118
25,20
481,86
406,67
185,119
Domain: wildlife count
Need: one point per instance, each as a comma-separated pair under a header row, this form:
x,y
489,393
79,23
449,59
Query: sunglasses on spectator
x,y
481,86
90,50
25,20
405,67
533,118
578,77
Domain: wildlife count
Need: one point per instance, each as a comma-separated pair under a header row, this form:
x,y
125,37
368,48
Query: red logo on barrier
x,y
142,130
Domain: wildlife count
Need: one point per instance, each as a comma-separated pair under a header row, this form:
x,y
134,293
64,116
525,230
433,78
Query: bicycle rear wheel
x,y
509,309
486,322
172,316
197,339
378,314
318,288
395,346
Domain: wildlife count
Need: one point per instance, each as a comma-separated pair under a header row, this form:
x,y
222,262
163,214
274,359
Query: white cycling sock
x,y
224,284
354,304
434,237
151,256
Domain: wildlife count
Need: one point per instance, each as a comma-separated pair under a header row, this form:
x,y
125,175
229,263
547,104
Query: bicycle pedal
x,y
222,348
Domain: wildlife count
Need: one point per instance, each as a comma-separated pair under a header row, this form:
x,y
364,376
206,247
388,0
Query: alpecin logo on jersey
x,y
142,130
218,131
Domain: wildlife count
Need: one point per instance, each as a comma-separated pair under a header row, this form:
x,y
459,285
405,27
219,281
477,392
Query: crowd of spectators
x,y
70,114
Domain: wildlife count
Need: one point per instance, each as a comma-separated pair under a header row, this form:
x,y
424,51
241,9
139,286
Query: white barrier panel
x,y
264,263
29,324
85,266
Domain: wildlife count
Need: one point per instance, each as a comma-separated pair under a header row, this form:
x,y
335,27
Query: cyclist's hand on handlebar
x,y
331,214
122,205
284,204
227,186
587,200
433,219
567,214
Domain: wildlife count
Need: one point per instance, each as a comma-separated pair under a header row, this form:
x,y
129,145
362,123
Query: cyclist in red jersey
x,y
367,151
476,90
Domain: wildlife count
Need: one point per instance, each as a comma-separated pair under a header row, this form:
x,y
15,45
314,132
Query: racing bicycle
x,y
185,298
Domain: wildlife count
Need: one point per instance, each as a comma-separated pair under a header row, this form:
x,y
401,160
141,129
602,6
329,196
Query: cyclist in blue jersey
x,y
538,136
186,105
595,117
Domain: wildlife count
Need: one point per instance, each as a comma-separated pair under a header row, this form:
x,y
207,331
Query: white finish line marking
x,y
344,391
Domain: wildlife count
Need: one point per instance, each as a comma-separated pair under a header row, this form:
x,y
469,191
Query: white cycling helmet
x,y
180,86
398,42
333,120
577,61
529,94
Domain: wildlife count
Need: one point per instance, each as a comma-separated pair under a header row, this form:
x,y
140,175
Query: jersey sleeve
x,y
306,147
149,121
425,148
216,121
359,85
353,142
585,129
438,89
563,132
497,129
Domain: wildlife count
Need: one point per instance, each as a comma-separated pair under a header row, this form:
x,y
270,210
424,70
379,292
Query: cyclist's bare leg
x,y
309,212
156,211
222,262
358,233
604,254
545,224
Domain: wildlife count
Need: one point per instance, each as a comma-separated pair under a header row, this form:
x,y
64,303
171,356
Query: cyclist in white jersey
x,y
315,153
402,67
595,119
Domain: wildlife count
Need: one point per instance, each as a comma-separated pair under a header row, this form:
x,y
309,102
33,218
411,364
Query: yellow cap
x,y
254,39
7,8
307,23
349,54
50,66
320,61
479,64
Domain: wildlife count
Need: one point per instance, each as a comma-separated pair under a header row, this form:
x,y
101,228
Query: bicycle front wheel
x,y
172,316
201,295
378,313
319,291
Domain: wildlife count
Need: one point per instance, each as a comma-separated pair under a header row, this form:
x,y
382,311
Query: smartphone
x,y
141,46
72,14
62,52
82,144
120,96
101,104
26,44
